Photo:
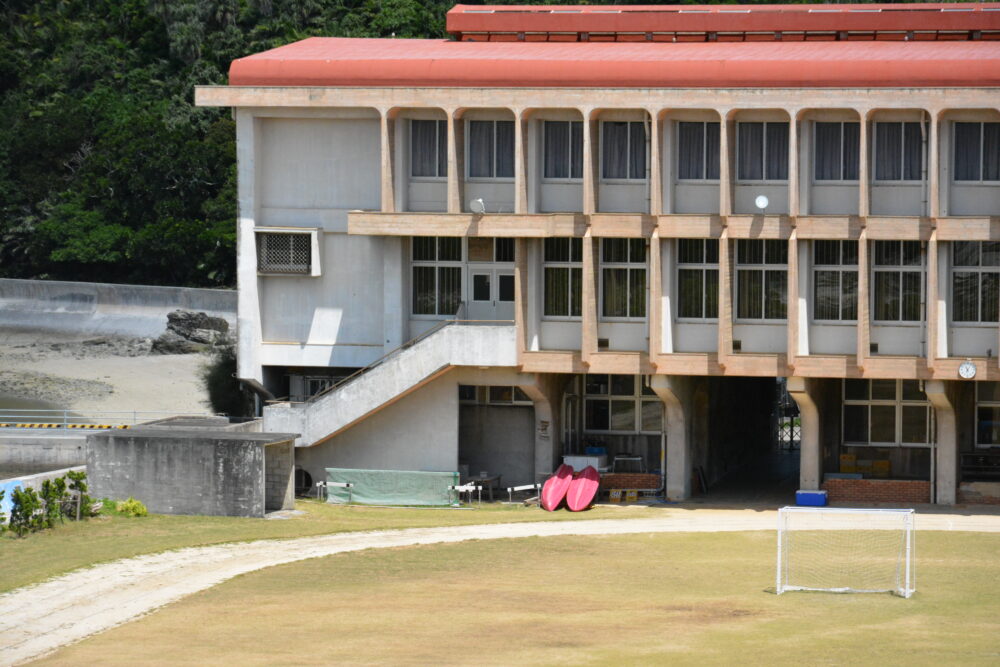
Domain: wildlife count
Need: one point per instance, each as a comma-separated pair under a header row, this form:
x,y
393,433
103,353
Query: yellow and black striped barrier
x,y
102,427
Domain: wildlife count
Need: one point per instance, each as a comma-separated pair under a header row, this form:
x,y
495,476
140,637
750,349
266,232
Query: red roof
x,y
328,61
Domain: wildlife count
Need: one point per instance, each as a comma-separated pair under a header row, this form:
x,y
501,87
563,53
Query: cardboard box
x,y
848,462
881,469
615,495
632,495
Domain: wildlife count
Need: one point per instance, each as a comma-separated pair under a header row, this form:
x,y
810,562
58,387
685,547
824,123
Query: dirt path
x,y
37,620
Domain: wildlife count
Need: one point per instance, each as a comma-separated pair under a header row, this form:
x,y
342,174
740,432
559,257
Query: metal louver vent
x,y
279,252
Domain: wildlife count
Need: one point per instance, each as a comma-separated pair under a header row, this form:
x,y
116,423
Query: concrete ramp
x,y
395,376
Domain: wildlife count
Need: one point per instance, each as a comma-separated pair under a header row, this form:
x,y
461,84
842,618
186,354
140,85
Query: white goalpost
x,y
846,550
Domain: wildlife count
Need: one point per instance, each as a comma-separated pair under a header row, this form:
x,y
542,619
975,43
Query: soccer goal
x,y
846,550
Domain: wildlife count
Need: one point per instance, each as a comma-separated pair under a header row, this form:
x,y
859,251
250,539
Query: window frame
x,y
982,154
705,180
638,397
979,269
437,264
840,268
570,265
569,158
898,403
764,180
920,269
630,180
902,154
630,265
703,267
975,417
313,269
493,167
440,125
765,266
815,154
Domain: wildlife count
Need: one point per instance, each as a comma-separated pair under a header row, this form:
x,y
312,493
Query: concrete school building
x,y
687,235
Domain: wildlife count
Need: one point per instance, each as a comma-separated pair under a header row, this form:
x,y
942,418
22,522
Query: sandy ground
x,y
37,620
99,374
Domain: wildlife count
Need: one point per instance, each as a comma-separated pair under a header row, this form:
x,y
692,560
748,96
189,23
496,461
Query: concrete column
x,y
864,168
934,166
388,128
456,160
667,291
792,282
725,164
676,392
590,157
946,450
932,300
591,248
655,165
521,294
864,319
655,298
804,269
793,164
394,323
941,319
248,304
725,329
520,161
547,393
804,392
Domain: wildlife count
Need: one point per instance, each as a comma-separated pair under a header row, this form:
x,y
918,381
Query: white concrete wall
x,y
973,340
696,337
770,338
974,199
745,195
560,197
497,196
560,335
898,339
898,199
691,197
827,199
620,197
830,338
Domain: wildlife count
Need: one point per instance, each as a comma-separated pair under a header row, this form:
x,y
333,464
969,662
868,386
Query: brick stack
x,y
878,490
629,480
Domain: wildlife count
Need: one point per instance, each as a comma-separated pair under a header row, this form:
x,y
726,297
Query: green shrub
x,y
25,512
225,393
54,495
3,517
81,501
131,507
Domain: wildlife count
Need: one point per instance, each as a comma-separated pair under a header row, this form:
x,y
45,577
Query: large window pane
x,y
827,295
750,295
505,149
597,415
556,250
750,251
637,151
596,384
690,150
826,253
637,293
622,385
964,296
776,285
750,145
777,151
576,149
449,289
852,144
690,251
556,149
576,291
690,285
614,251
988,426
652,416
556,292
914,424
883,423
623,415
913,152
614,149
449,249
855,423
615,293
481,148
912,391
424,248
711,293
990,297
968,156
423,148
886,295
965,253
856,390
828,154
911,296
888,151
424,294
712,150
849,295
991,151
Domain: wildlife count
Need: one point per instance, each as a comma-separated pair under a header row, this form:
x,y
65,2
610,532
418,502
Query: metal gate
x,y
786,426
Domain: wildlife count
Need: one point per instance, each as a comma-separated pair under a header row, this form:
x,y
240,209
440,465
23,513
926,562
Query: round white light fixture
x,y
761,202
477,206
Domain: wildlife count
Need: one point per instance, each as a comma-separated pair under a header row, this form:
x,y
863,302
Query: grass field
x,y
72,545
666,598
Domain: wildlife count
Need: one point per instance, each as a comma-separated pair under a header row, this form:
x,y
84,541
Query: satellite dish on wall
x,y
477,206
761,202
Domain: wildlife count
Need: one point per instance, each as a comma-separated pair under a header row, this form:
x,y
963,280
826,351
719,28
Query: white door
x,y
491,294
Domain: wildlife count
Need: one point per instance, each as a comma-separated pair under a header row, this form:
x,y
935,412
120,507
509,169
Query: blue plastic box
x,y
810,498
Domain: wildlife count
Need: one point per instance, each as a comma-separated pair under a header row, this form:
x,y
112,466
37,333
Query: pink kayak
x,y
555,487
582,489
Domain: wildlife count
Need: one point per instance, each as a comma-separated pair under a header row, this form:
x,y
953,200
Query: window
x,y
977,152
762,151
491,149
623,284
898,152
836,154
698,278
897,288
486,249
886,412
623,150
285,252
762,279
975,281
437,275
563,149
621,404
835,280
492,395
988,414
697,151
563,277
429,148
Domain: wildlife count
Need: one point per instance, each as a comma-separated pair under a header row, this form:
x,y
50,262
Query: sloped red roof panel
x,y
330,61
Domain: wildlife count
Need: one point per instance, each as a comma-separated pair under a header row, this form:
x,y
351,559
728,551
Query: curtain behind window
x,y
828,152
505,149
615,293
690,150
690,290
712,151
913,158
852,146
637,151
888,151
449,289
423,148
615,149
991,151
750,140
424,302
557,291
967,156
750,295
556,149
481,149
777,151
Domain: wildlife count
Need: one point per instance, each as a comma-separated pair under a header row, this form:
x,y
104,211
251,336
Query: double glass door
x,y
491,294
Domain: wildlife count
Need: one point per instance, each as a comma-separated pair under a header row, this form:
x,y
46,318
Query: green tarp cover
x,y
391,487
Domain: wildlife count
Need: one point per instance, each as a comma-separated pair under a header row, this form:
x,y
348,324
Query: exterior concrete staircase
x,y
395,375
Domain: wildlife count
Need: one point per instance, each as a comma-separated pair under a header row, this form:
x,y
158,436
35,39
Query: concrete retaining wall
x,y
190,472
27,482
26,451
99,308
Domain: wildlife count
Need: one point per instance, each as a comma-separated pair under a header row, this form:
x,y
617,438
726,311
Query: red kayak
x,y
582,489
556,487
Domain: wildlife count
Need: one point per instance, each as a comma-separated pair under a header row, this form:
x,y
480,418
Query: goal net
x,y
846,550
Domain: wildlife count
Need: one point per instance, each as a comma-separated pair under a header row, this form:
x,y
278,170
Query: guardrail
x,y
68,419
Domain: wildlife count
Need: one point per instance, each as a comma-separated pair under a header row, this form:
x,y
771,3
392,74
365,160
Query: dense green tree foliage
x,y
107,170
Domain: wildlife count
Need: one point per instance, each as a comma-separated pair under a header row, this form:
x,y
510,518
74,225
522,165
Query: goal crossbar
x,y
846,550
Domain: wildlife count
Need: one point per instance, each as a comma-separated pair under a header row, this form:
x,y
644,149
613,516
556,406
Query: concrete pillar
x,y
591,248
864,168
725,165
248,306
676,392
792,319
725,328
793,163
655,298
456,160
804,391
388,129
934,167
864,318
394,324
932,300
655,165
591,151
520,161
547,393
946,450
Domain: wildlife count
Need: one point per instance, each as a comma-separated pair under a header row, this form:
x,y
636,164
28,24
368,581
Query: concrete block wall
x,y
979,493
630,480
902,491
26,451
279,467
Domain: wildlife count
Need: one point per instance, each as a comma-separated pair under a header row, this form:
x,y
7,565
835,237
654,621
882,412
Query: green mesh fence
x,y
391,487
